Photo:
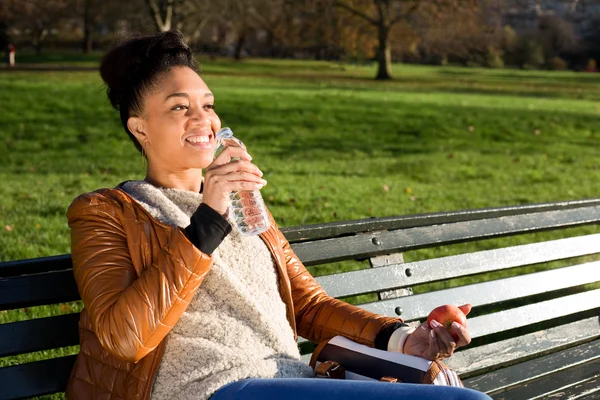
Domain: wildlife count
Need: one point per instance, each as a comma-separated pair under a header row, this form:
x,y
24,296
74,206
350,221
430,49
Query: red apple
x,y
447,314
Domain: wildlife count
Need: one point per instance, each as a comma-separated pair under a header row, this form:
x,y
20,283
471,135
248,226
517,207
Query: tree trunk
x,y
384,54
239,46
86,45
38,39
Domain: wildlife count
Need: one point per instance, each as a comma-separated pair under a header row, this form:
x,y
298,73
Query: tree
x,y
383,15
469,33
35,19
162,12
194,15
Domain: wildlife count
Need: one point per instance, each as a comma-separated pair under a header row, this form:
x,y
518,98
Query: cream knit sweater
x,y
236,325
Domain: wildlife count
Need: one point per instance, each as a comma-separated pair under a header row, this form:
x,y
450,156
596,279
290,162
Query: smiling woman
x,y
179,306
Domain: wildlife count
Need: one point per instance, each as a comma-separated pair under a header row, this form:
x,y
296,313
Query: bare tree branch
x,y
163,24
356,12
402,15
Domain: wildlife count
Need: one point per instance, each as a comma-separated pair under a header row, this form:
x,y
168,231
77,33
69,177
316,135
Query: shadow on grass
x,y
522,75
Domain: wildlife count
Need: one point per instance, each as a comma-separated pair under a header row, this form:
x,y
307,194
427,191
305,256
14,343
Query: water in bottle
x,y
247,207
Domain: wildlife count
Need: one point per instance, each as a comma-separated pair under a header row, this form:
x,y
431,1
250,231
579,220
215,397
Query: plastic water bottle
x,y
247,207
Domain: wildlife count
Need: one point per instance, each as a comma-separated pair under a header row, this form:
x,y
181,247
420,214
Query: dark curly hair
x,y
134,65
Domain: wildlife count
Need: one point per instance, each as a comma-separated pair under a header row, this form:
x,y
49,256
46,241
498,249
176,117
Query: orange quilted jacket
x,y
136,276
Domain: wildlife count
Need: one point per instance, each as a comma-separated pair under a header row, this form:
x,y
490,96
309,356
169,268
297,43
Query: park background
x,y
352,109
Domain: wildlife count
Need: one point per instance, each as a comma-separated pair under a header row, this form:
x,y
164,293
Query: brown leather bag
x,y
341,358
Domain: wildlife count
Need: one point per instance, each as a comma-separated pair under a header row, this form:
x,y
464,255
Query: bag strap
x,y
438,367
315,355
330,369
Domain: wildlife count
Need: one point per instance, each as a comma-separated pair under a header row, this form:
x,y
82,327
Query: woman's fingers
x,y
240,165
465,308
434,348
464,338
224,177
231,154
446,343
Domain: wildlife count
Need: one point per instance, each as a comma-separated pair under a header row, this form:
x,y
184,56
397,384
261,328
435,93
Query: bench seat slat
x,y
477,360
36,378
478,294
519,375
585,390
365,245
554,383
25,336
394,276
37,289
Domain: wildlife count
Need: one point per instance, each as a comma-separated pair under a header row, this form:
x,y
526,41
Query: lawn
x,y
333,144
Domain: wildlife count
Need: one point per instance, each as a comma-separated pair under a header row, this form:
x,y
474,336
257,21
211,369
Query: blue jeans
x,y
333,389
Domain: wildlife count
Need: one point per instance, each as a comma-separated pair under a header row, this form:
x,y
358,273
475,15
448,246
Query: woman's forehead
x,y
182,80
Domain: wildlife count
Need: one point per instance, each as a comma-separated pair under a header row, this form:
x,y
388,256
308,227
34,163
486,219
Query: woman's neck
x,y
190,179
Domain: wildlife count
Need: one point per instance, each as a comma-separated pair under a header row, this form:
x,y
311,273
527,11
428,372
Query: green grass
x,y
333,144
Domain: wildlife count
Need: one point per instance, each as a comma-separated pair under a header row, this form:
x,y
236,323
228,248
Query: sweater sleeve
x,y
207,229
132,308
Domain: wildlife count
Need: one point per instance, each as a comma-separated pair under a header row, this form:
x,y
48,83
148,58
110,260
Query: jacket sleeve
x,y
320,317
131,310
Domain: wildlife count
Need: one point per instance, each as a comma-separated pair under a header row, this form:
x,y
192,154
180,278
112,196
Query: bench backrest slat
x,y
37,289
384,242
35,266
516,317
39,334
341,228
533,313
35,379
395,276
479,359
491,292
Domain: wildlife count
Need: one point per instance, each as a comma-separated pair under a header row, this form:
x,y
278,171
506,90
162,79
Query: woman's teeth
x,y
199,139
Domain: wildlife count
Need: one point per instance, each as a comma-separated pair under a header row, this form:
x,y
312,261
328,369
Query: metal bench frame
x,y
535,335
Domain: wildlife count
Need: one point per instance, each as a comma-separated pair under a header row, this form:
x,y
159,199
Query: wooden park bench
x,y
535,335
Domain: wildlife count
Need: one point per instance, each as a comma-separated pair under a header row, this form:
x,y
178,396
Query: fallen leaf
x,y
471,128
38,226
66,307
408,190
386,188
8,228
537,132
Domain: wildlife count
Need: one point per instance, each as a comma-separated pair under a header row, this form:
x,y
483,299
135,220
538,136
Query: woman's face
x,y
179,122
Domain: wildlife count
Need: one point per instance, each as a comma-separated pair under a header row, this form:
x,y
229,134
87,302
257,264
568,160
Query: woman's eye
x,y
179,108
210,106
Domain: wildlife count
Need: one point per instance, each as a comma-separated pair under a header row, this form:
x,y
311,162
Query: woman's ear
x,y
136,126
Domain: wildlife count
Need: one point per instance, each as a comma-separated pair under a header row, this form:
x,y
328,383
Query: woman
x,y
179,306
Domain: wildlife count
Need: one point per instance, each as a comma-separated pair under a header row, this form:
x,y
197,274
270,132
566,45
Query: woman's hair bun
x,y
134,63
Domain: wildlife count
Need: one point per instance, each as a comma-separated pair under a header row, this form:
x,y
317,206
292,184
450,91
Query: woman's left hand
x,y
436,343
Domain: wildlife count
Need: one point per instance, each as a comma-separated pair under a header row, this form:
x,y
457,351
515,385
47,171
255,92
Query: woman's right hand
x,y
224,176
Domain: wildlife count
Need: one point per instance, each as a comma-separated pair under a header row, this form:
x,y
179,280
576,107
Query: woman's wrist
x,y
399,336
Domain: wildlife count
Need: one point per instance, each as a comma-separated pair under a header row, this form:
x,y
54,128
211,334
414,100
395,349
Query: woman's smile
x,y
204,141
